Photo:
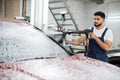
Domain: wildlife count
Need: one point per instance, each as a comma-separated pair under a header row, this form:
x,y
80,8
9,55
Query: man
x,y
100,40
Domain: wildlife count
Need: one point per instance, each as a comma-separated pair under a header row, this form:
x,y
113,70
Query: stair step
x,y
57,8
78,49
55,1
58,13
67,24
65,19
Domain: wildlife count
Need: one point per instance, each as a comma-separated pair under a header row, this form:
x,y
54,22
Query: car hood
x,y
67,68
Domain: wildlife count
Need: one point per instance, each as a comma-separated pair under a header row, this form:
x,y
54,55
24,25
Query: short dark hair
x,y
99,13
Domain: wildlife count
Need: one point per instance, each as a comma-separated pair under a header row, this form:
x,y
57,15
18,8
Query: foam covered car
x,y
27,53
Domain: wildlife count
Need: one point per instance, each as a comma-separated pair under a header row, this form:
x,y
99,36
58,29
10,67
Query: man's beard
x,y
97,25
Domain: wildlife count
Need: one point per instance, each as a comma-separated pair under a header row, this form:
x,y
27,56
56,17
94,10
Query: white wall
x,y
92,7
78,10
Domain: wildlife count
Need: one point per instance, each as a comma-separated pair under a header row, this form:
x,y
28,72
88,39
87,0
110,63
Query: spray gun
x,y
85,31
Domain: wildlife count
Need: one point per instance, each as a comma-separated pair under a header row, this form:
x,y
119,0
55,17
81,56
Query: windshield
x,y
19,41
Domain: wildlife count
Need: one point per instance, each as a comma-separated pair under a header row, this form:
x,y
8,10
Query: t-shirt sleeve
x,y
109,35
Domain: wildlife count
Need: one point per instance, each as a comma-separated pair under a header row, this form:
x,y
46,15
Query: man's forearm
x,y
103,45
79,40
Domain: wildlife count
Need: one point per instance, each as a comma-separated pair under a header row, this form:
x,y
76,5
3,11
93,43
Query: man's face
x,y
98,21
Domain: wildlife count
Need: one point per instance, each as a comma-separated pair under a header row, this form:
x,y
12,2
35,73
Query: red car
x,y
27,53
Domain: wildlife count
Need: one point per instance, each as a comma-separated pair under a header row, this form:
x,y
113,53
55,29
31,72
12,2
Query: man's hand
x,y
68,38
92,35
104,45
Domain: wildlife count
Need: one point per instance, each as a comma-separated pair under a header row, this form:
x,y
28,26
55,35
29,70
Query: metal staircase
x,y
56,7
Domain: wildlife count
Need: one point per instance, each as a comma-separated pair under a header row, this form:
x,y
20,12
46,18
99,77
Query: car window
x,y
20,41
